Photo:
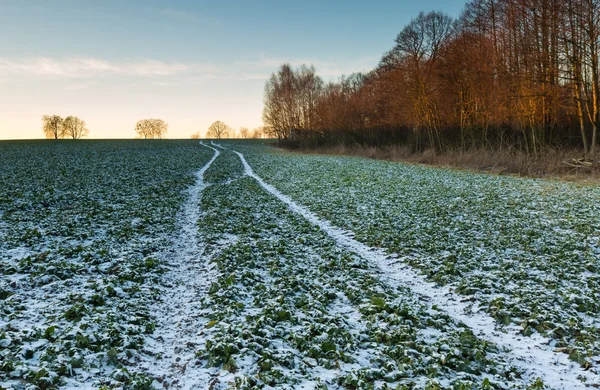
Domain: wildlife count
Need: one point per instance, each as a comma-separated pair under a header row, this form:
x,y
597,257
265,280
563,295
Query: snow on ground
x,y
146,275
527,250
291,309
179,316
78,260
532,354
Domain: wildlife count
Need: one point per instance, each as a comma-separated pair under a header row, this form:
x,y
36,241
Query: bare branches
x,y
291,98
218,130
151,128
52,125
509,73
423,38
74,128
55,127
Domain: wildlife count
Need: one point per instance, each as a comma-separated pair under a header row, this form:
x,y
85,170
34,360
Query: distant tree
x,y
53,126
142,127
74,128
258,132
195,135
151,128
231,133
244,132
159,128
218,130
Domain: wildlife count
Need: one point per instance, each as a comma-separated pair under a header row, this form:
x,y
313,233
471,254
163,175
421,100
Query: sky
x,y
189,62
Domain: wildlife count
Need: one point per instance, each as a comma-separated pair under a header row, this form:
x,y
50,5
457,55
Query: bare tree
x,y
309,88
195,135
244,132
231,133
519,74
591,28
52,126
151,128
218,130
74,128
421,42
290,100
280,112
258,132
159,128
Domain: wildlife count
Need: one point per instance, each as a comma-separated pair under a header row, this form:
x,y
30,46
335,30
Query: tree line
x,y
506,74
55,127
219,130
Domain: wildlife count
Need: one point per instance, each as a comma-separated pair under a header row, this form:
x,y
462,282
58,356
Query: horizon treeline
x,y
219,130
506,74
57,127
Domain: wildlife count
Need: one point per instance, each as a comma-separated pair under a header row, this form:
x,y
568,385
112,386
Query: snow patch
x,y
180,324
531,354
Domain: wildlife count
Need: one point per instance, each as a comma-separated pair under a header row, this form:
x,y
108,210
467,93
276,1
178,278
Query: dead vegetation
x,y
552,163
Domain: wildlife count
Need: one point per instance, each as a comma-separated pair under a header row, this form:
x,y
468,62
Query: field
x,y
232,265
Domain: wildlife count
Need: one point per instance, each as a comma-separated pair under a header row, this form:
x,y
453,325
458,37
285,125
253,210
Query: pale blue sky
x,y
188,62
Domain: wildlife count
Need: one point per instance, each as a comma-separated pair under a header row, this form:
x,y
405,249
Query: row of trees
x,y
257,132
507,73
221,130
151,128
56,127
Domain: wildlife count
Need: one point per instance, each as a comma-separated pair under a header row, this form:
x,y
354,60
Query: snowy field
x,y
180,265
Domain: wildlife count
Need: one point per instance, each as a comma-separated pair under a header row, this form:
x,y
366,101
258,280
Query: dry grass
x,y
552,163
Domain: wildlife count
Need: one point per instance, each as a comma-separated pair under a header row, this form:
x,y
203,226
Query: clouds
x,y
168,72
79,67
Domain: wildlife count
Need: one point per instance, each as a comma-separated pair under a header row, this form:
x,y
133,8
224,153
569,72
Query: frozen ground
x,y
229,265
83,227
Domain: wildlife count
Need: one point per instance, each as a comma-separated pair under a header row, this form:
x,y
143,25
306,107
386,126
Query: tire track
x,y
180,321
532,354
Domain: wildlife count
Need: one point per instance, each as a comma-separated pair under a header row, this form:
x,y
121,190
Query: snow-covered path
x,y
532,355
179,317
